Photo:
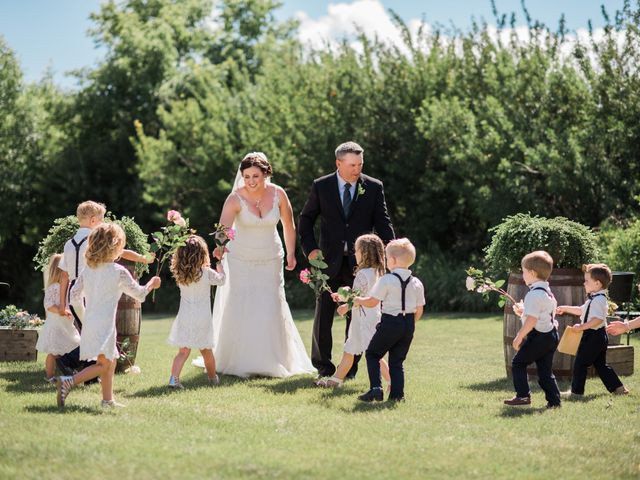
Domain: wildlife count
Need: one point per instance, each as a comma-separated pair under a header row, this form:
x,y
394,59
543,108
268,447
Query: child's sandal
x,y
333,382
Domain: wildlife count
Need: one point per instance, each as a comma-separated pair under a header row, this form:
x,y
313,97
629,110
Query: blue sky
x,y
47,33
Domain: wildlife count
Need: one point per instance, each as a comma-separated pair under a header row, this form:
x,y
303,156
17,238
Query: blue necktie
x,y
346,198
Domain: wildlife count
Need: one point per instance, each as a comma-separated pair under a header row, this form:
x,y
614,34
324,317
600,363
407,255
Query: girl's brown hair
x,y
187,262
371,253
55,272
106,243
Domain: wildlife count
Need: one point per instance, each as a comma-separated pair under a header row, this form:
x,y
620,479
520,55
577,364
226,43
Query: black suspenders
x,y
403,286
77,245
553,313
586,313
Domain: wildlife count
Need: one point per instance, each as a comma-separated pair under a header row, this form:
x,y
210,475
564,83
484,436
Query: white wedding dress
x,y
254,333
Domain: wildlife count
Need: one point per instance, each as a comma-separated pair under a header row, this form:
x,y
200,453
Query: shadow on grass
x,y
284,386
517,412
66,410
495,385
26,381
373,406
195,383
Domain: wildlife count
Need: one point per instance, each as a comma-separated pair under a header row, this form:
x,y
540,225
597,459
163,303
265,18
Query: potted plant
x,y
18,334
569,243
128,315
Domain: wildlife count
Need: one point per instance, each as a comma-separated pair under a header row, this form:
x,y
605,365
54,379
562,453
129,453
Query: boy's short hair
x,y
599,272
540,262
401,249
90,209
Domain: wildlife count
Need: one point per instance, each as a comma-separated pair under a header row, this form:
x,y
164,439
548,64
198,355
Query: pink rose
x,y
173,215
231,233
305,276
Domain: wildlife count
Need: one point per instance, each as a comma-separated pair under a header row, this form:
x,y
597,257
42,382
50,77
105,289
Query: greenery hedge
x,y
571,244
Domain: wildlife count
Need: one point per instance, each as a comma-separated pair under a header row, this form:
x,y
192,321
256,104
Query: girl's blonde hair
x,y
187,262
371,251
106,243
55,272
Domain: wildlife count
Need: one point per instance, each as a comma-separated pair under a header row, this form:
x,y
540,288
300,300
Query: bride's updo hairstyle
x,y
258,160
105,244
187,262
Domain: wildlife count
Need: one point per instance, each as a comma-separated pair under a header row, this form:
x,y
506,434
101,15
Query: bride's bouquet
x,y
314,277
479,283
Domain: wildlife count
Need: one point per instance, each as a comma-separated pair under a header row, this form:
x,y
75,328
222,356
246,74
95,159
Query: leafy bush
x,y
571,244
443,276
65,228
621,247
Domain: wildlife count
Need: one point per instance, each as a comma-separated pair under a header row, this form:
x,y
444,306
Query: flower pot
x,y
18,345
567,286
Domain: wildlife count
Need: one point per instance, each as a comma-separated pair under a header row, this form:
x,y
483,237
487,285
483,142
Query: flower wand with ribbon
x,y
168,239
477,282
221,236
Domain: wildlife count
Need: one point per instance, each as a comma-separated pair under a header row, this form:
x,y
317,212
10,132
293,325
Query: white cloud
x,y
347,20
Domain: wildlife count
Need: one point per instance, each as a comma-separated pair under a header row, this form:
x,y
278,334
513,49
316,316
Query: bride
x,y
253,328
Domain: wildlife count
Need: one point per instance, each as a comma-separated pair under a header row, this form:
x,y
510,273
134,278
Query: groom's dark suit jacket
x,y
368,213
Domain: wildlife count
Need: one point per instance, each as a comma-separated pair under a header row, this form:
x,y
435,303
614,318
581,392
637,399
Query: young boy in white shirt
x,y
402,297
537,339
594,341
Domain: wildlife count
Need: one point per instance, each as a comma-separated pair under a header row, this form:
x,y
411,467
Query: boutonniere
x,y
361,189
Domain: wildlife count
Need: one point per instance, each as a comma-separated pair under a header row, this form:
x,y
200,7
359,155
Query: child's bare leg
x,y
179,361
345,366
384,370
106,379
209,362
50,365
92,371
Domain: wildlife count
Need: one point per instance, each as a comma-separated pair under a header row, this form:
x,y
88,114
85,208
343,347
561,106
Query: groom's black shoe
x,y
371,395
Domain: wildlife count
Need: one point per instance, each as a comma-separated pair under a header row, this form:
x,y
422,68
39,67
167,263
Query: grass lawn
x,y
453,424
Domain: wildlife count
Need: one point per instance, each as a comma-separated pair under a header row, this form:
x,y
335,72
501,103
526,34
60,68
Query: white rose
x,y
470,283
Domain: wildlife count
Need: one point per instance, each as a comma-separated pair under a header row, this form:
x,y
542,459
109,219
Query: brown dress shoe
x,y
516,401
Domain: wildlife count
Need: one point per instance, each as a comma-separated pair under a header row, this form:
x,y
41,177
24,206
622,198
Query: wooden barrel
x,y
128,317
567,285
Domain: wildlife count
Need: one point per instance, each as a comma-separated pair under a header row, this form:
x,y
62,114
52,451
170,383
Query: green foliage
x,y
569,243
65,228
621,247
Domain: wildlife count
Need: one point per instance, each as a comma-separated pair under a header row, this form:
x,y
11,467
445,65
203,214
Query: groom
x,y
349,204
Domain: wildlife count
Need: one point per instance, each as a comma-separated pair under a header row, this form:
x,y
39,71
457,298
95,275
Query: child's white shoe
x,y
215,381
110,404
330,382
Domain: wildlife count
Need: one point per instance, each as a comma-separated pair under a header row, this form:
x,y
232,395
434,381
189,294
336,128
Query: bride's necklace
x,y
258,202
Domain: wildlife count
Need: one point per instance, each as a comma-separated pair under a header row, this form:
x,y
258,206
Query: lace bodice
x,y
257,238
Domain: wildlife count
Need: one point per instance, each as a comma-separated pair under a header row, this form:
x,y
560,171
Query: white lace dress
x,y
58,335
254,332
363,321
101,288
193,326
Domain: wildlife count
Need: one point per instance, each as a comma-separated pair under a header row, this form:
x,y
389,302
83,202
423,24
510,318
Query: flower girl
x,y
101,284
370,258
193,326
59,335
